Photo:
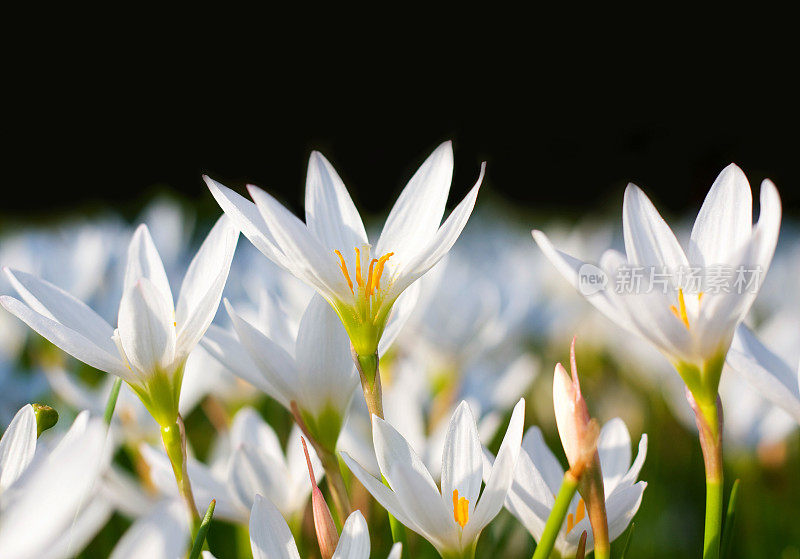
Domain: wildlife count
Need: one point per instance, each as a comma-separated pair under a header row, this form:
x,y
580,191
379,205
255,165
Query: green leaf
x,y
730,521
627,541
200,538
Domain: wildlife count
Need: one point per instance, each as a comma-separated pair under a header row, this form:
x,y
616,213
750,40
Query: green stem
x,y
112,401
730,521
710,428
200,538
174,438
556,519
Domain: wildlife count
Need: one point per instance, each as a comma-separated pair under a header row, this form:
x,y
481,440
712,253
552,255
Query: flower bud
x,y
327,536
577,430
46,417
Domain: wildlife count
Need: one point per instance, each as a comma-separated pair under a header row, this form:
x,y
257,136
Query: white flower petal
x,y
766,372
402,310
621,508
396,552
385,496
146,328
254,471
529,498
303,254
571,268
68,340
56,304
462,462
331,215
17,446
226,348
442,242
725,222
59,484
354,541
540,454
501,477
247,218
416,215
144,262
614,448
163,534
648,239
275,364
249,428
630,477
325,371
270,537
202,286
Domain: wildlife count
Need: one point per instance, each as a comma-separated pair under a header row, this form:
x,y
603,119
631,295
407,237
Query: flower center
x,y
579,514
366,286
460,509
680,310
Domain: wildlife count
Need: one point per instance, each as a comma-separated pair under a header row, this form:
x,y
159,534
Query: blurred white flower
x,y
249,461
451,519
154,338
539,474
694,329
42,493
313,369
270,537
330,251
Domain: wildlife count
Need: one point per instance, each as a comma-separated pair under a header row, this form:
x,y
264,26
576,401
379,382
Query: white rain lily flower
x,y
317,373
41,493
331,252
163,533
677,305
270,537
451,518
539,474
774,378
251,461
149,348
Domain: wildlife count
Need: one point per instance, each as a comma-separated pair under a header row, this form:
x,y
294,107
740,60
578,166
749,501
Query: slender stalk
x,y
556,519
591,489
174,438
111,404
709,424
200,538
369,371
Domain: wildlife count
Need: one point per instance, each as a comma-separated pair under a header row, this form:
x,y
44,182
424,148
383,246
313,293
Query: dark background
x,y
563,126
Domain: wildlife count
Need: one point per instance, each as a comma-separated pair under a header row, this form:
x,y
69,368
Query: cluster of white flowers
x,y
443,338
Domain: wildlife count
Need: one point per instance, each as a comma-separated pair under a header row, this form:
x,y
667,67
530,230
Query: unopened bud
x,y
327,536
578,436
46,417
581,546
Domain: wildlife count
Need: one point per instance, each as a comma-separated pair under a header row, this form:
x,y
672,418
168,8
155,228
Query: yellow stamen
x,y
460,509
343,266
359,279
681,314
580,513
379,269
370,276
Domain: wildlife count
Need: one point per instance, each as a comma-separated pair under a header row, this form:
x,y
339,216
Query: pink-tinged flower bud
x,y
327,536
577,430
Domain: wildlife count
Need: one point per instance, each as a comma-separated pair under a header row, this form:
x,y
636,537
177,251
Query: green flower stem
x,y
111,404
556,519
200,538
174,438
369,370
710,429
730,521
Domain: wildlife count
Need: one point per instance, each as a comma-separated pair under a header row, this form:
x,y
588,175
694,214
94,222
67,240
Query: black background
x,y
562,129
